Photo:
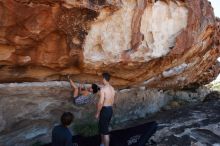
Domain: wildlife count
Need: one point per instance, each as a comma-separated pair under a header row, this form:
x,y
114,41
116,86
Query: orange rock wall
x,y
162,44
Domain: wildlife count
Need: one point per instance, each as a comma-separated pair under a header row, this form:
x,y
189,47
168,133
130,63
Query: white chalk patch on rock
x,y
160,25
175,70
108,38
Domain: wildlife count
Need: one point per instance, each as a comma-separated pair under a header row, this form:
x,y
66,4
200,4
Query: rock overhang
x,y
162,44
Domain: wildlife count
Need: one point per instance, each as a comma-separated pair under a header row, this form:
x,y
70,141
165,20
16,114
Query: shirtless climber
x,y
104,109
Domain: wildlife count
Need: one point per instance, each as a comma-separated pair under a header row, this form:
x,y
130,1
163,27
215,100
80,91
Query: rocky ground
x,y
196,124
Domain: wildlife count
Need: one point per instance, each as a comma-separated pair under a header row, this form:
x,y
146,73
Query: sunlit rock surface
x,y
196,124
200,125
163,44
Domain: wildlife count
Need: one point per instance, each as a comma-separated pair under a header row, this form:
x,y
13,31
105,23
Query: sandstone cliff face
x,y
163,44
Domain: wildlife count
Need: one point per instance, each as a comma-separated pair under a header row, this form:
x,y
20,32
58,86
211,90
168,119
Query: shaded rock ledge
x,y
28,111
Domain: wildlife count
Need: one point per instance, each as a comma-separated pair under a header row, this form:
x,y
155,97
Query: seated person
x,y
82,95
61,135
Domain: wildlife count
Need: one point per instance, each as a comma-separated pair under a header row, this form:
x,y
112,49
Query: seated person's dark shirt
x,y
61,136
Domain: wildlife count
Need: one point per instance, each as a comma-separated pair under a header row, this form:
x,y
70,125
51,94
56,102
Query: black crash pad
x,y
134,136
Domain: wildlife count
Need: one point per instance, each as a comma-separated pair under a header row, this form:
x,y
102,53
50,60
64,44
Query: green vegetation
x,y
214,86
38,143
89,128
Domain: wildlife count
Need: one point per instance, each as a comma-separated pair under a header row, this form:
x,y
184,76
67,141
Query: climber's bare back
x,y
109,94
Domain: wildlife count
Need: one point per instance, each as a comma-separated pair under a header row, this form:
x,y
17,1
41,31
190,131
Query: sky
x,y
216,6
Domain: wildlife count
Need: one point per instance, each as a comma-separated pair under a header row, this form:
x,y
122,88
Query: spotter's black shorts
x,y
104,119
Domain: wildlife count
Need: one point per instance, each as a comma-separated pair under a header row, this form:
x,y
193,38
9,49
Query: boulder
x,y
162,44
